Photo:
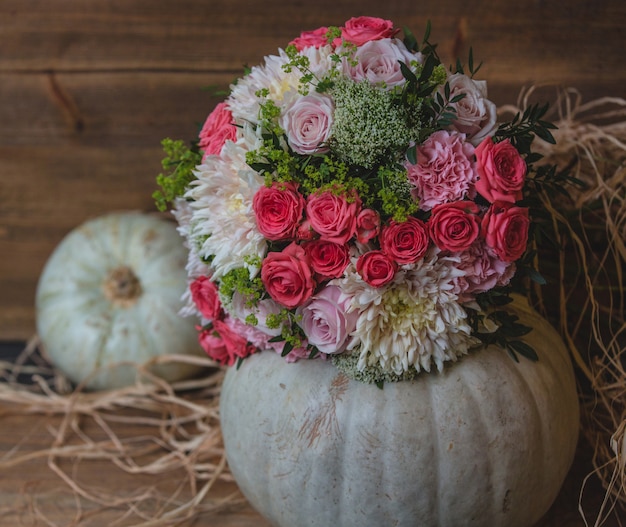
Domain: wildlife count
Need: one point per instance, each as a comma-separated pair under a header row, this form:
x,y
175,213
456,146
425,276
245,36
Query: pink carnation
x,y
218,128
223,344
445,170
482,270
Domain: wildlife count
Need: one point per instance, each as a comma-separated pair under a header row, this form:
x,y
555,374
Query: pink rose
x,y
240,308
378,62
287,276
217,129
405,242
326,322
505,228
482,271
445,170
367,225
204,294
455,226
333,217
376,268
361,29
475,114
224,345
315,38
308,122
278,210
304,232
501,171
328,259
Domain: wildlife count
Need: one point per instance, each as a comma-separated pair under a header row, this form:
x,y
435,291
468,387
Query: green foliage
x,y
179,164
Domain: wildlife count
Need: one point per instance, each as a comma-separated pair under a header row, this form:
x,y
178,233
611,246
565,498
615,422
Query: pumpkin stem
x,y
122,287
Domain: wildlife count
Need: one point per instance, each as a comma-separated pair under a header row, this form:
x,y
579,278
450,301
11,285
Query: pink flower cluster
x,y
319,230
219,340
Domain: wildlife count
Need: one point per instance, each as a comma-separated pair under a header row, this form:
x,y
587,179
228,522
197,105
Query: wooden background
x,y
89,88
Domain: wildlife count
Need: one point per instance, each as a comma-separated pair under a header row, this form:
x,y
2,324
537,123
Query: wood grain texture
x,y
89,89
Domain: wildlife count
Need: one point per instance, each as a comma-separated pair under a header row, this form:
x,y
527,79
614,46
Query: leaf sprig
x,y
179,163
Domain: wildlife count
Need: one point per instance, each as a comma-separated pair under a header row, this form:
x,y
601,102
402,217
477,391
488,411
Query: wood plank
x,y
525,42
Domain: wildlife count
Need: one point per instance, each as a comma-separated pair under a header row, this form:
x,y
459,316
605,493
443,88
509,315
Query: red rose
x,y
505,228
278,210
405,242
204,294
367,225
287,277
223,345
315,38
333,217
501,171
454,226
361,29
217,129
328,259
376,268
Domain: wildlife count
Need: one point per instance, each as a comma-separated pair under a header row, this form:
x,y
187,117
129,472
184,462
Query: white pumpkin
x,y
110,293
487,443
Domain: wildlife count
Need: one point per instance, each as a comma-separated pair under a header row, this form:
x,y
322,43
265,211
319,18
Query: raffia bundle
x,y
591,231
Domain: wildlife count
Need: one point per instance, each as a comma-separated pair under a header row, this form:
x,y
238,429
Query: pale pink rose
x,y
505,228
217,129
501,171
376,268
326,322
361,29
287,276
240,309
205,296
378,62
224,345
454,226
445,170
475,114
308,122
333,217
315,38
482,271
328,259
278,210
367,225
405,242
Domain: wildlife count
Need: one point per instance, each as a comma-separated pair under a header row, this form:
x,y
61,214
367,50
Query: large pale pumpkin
x,y
110,293
488,442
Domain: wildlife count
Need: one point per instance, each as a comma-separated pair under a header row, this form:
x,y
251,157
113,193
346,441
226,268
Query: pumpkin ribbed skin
x,y
488,442
110,293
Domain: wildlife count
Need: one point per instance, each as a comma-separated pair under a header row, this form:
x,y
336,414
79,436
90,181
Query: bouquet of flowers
x,y
354,200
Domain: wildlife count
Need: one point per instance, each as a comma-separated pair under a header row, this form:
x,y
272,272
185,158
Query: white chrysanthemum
x,y
243,101
223,226
195,267
413,322
320,62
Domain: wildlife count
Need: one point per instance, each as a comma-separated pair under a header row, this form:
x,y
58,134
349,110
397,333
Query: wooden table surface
x,y
36,492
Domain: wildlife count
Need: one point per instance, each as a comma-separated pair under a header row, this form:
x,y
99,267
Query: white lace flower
x,y
413,322
222,225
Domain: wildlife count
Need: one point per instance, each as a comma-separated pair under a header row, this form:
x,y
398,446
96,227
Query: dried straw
x,y
182,439
591,231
